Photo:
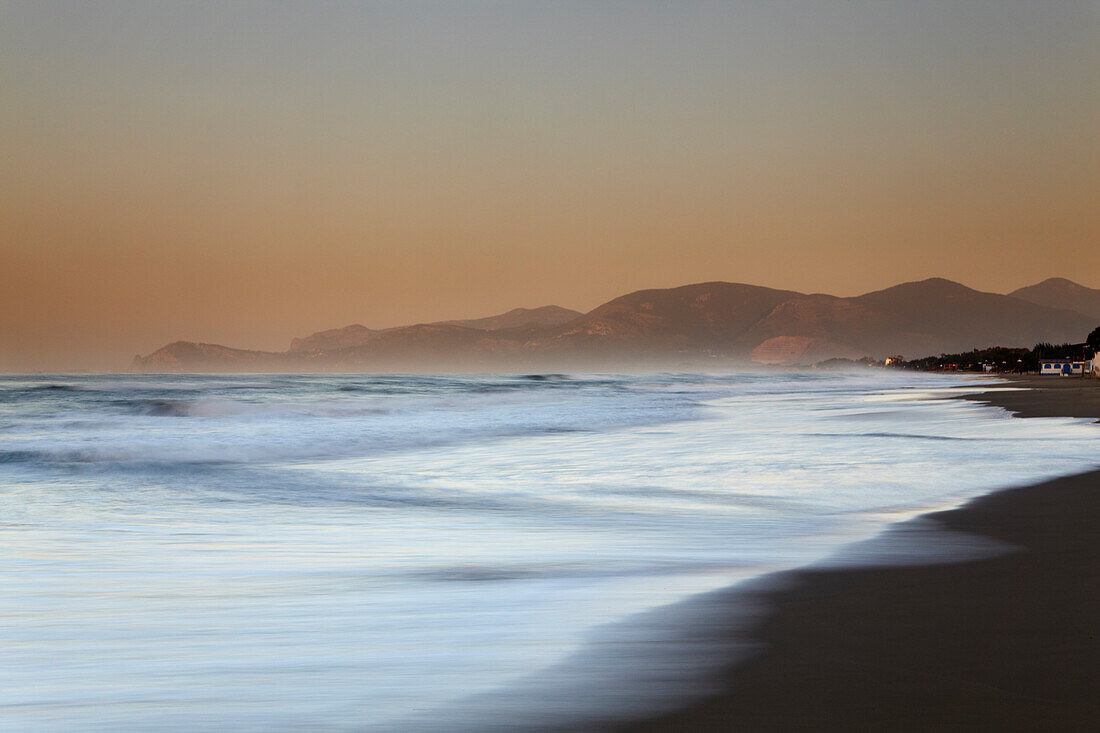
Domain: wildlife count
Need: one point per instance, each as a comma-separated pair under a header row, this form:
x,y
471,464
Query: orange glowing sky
x,y
241,173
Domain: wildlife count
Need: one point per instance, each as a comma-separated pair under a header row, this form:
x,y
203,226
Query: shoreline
x,y
1002,642
1044,396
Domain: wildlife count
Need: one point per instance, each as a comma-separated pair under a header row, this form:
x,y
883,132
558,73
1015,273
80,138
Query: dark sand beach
x,y
1046,397
1008,642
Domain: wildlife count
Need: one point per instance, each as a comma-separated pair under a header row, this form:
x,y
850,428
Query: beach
x,y
1002,642
1034,396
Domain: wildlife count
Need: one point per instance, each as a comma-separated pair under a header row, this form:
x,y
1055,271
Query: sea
x,y
411,552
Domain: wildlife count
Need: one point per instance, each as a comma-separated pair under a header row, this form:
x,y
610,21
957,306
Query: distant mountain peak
x,y
1058,292
928,285
1059,282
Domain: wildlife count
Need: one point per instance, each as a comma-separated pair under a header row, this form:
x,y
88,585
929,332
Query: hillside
x,y
1057,292
547,315
704,325
332,339
187,356
811,328
428,347
705,320
936,316
527,320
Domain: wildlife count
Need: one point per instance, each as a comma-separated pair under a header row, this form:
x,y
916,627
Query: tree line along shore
x,y
993,359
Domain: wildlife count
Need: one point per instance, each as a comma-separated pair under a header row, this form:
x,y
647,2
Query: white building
x,y
1061,367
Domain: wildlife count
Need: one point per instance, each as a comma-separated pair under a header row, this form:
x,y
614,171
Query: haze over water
x,y
334,552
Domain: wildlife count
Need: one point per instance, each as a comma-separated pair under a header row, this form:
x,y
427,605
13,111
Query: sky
x,y
245,172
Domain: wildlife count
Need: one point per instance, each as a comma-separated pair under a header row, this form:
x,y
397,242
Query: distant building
x,y
1061,367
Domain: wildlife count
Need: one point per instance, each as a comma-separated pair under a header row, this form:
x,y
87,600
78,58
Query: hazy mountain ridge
x,y
1058,292
333,338
937,315
402,349
547,315
692,325
530,320
704,315
181,356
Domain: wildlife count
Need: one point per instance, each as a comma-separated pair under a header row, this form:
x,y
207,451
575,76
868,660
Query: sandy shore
x,y
1047,397
1008,642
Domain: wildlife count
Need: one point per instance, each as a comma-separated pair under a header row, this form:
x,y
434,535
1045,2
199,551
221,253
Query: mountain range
x,y
705,324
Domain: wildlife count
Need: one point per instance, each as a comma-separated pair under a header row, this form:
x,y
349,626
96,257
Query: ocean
x,y
398,552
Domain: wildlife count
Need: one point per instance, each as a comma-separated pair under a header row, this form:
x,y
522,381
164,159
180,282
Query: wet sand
x,y
1046,397
1009,642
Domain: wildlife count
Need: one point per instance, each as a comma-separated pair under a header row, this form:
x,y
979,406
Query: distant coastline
x,y
702,326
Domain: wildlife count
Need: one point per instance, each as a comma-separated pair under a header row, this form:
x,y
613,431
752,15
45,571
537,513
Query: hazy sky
x,y
240,173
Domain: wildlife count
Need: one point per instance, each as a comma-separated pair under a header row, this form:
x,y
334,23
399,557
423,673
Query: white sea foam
x,y
336,552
